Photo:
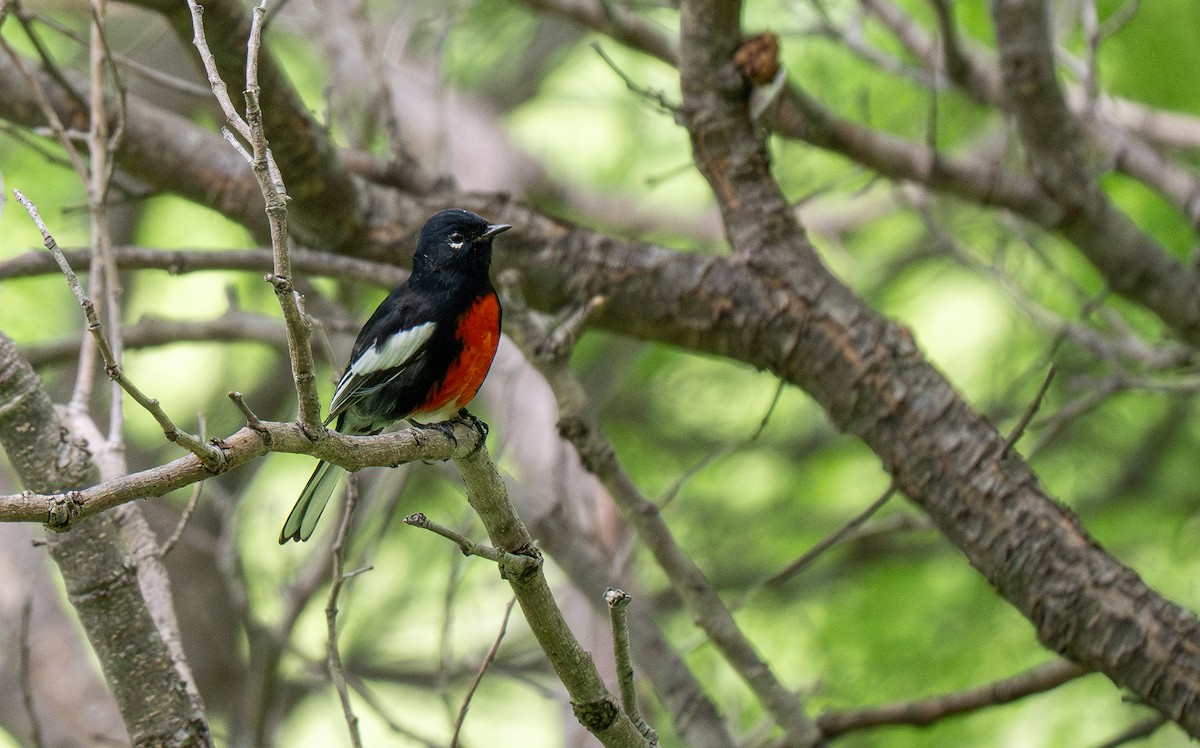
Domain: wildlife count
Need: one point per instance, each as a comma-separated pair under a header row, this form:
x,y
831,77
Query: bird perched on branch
x,y
422,355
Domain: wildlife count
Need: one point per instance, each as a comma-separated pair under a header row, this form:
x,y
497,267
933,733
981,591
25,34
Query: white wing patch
x,y
390,353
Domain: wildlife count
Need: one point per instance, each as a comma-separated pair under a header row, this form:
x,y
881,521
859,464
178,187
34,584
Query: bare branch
x,y
208,454
488,659
510,563
927,711
333,659
618,602
351,452
271,184
193,501
829,541
591,702
183,261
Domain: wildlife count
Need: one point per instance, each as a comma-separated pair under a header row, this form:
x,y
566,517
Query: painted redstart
x,y
422,355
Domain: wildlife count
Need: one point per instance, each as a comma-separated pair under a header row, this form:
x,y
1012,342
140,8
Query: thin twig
x,y
104,285
618,601
658,97
445,650
220,91
830,540
48,111
334,659
211,456
1030,411
511,563
927,711
23,652
1137,731
193,501
270,183
722,452
488,659
252,419
372,701
183,519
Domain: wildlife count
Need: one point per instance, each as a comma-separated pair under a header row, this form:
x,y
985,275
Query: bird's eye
x,y
456,238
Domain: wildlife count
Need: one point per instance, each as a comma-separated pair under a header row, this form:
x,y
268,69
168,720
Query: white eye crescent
x,y
456,240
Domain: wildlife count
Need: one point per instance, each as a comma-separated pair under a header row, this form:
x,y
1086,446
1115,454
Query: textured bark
x,y
158,702
868,374
1132,262
593,705
61,509
775,306
301,147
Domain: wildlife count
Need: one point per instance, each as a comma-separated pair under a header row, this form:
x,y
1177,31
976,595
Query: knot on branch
x,y
596,716
521,565
282,284
758,58
595,454
63,510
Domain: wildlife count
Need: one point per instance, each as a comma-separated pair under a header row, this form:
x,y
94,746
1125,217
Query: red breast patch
x,y
479,332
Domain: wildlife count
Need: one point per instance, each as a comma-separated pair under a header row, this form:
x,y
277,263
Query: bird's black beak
x,y
493,229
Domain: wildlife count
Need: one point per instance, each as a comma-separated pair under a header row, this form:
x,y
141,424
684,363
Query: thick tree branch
x,y
153,688
873,381
978,75
1132,262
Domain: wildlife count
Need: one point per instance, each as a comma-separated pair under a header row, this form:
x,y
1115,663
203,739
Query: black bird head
x,y
454,242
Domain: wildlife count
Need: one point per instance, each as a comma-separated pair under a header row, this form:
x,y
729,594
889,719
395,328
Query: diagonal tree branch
x,y
1132,262
927,711
152,685
591,702
870,377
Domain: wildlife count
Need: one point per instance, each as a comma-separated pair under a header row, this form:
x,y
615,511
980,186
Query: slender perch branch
x,y
532,331
260,437
510,563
